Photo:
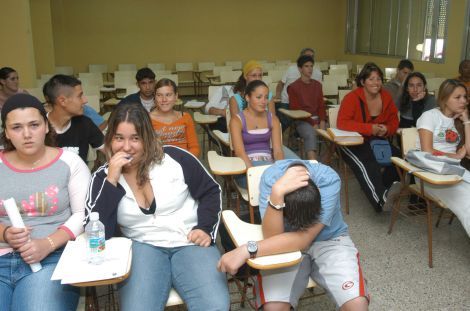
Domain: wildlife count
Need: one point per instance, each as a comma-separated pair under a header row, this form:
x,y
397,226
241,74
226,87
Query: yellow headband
x,y
249,66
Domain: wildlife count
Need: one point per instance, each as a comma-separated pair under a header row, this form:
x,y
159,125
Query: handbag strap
x,y
362,109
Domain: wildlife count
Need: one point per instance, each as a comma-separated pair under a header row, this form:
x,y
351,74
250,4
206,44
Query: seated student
x,y
217,106
395,85
49,187
256,132
9,84
165,201
370,111
75,132
464,75
444,131
301,210
173,127
306,94
292,74
415,100
252,71
145,78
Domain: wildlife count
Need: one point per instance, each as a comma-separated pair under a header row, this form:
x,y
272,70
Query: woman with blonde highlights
x,y
439,134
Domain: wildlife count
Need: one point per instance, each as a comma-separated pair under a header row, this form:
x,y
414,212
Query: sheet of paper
x,y
73,266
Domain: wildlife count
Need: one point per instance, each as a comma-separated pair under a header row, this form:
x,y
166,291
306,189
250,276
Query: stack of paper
x,y
345,136
73,266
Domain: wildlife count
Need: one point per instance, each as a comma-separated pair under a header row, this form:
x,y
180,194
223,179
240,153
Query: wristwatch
x,y
252,247
278,206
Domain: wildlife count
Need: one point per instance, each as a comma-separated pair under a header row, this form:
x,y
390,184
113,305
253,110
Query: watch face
x,y
252,247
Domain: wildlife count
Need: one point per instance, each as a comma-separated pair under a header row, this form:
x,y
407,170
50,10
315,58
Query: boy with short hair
x,y
301,210
306,94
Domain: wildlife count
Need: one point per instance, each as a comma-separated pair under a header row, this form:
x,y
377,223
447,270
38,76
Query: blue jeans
x,y
21,289
190,270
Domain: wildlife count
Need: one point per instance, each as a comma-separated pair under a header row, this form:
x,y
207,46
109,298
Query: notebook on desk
x,y
345,136
73,266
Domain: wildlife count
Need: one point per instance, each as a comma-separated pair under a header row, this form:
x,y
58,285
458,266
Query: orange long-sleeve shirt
x,y
180,133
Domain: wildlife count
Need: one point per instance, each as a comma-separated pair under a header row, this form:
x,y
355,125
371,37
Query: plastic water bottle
x,y
95,239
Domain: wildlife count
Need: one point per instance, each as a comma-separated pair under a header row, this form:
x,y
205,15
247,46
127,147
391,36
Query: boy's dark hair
x,y
406,63
304,59
144,73
303,206
55,87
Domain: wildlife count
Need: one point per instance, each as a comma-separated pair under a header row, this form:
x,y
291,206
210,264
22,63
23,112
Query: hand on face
x,y
115,165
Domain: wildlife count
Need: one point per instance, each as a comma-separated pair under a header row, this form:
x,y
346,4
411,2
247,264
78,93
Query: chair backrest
x,y
341,71
359,68
218,69
235,64
433,84
253,177
341,94
94,102
64,70
408,139
276,75
348,63
160,73
267,79
36,92
341,80
127,67
124,78
93,78
171,77
333,116
156,66
100,68
390,73
184,67
338,66
323,66
330,61
268,66
90,89
330,87
229,76
205,66
212,90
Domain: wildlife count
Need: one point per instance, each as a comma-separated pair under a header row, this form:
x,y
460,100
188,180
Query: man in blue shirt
x,y
145,78
301,210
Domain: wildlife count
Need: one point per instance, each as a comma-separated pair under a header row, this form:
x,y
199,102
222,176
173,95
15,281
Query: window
x,y
415,29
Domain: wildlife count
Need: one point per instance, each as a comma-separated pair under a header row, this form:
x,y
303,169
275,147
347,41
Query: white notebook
x,y
73,266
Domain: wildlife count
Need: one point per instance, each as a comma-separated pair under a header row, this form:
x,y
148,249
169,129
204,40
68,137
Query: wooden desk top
x,y
204,118
435,179
220,165
295,114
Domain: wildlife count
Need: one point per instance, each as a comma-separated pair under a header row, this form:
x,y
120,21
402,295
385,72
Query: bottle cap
x,y
94,216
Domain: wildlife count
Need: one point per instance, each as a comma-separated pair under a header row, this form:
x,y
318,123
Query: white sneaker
x,y
392,196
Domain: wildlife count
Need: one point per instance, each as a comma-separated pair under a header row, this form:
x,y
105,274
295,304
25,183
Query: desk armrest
x,y
240,232
220,165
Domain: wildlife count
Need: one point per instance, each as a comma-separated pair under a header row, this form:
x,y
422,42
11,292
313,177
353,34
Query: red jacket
x,y
350,114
